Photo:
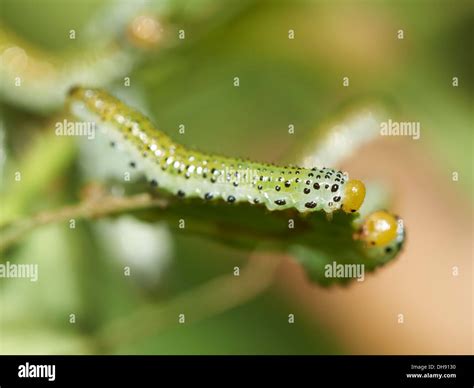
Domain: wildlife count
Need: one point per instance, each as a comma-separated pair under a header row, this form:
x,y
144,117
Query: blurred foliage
x,y
281,81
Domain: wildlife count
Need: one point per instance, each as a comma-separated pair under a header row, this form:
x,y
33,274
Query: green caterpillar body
x,y
189,173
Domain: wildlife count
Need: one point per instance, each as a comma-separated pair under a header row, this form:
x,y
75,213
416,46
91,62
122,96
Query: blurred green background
x,y
282,81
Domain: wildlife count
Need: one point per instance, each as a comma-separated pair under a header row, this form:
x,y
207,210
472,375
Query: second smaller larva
x,y
189,173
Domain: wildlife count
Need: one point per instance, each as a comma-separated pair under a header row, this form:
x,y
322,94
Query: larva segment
x,y
189,173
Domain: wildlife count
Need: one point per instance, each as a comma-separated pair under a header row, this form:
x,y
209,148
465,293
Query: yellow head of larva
x,y
354,195
145,31
379,228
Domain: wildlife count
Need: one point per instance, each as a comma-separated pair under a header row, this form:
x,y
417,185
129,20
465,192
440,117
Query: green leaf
x,y
314,240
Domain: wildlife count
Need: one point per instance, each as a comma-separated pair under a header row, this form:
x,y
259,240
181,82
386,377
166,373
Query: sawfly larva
x,y
190,173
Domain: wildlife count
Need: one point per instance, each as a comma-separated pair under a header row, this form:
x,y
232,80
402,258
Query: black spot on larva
x,y
310,174
256,200
388,250
334,188
230,199
204,176
337,180
181,193
342,181
261,177
353,210
187,175
132,164
337,199
280,179
326,186
316,186
314,169
306,191
280,202
310,205
330,204
297,172
277,188
112,144
327,177
235,184
287,184
297,180
154,183
260,187
318,176
208,196
308,182
213,180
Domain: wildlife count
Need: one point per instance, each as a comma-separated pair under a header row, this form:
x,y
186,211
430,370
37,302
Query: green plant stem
x,y
87,209
212,298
